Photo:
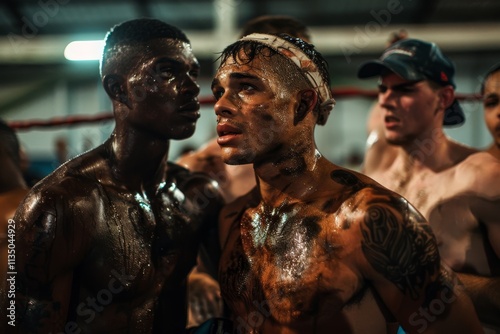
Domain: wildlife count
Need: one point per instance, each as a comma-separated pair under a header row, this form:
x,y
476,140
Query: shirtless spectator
x,y
12,191
455,188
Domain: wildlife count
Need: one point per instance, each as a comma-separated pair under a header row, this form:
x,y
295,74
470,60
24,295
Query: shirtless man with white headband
x,y
316,248
237,180
456,189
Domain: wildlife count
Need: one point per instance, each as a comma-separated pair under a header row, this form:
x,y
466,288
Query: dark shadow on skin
x,y
471,199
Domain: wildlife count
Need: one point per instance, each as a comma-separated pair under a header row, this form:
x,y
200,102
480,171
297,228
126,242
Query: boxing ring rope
x,y
105,116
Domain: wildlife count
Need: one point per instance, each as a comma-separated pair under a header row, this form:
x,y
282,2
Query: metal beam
x,y
348,41
12,7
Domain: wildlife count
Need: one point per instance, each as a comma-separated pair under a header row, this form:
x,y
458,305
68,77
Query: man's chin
x,y
235,159
396,140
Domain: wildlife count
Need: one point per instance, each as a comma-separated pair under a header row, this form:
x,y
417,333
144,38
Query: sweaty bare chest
x,y
422,190
446,205
141,242
285,269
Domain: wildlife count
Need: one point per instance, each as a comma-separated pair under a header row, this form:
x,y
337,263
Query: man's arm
x,y
485,294
45,245
210,199
404,267
484,289
203,289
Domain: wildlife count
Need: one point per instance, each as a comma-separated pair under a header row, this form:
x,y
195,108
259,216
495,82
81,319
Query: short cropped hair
x,y
275,24
10,142
135,33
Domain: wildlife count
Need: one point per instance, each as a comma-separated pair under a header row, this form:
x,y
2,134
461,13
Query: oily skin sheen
x,y
266,104
107,240
313,246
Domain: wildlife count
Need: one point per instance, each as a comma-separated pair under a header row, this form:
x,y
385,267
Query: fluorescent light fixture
x,y
84,50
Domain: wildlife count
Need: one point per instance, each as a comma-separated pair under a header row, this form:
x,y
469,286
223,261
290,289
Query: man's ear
x,y
114,86
447,96
307,102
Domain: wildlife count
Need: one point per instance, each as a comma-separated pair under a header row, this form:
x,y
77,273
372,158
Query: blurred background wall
x,y
38,83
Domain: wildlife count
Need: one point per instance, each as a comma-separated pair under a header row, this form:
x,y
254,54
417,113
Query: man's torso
x,y
126,250
293,269
445,198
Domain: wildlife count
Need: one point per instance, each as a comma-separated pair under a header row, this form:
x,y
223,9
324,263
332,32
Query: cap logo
x,y
398,51
444,77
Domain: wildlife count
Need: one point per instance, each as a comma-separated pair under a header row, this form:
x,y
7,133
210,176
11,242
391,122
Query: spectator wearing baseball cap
x,y
416,60
455,187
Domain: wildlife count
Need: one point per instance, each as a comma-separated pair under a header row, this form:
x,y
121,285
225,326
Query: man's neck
x,y
494,150
433,152
294,178
137,162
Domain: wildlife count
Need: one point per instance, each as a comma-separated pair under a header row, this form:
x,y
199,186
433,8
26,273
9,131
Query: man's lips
x,y
227,133
190,106
190,110
224,129
391,120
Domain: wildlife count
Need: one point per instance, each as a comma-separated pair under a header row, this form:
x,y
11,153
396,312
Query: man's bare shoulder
x,y
394,236
71,182
367,198
481,159
481,172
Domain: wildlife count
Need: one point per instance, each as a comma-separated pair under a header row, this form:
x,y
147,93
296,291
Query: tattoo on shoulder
x,y
399,244
345,178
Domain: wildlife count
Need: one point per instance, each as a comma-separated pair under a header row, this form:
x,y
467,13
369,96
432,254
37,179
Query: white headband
x,y
303,62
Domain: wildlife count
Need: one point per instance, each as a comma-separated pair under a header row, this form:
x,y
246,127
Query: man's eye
x,y
166,72
194,73
217,93
490,103
247,87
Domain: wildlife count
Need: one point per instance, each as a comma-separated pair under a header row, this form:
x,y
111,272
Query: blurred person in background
x,y
455,187
490,90
13,189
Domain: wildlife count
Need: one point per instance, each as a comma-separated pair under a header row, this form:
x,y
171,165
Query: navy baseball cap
x,y
417,60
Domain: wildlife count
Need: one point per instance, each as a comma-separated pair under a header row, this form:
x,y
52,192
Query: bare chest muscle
x,y
447,207
282,267
141,242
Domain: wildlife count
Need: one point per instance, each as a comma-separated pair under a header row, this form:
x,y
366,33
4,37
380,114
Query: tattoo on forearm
x,y
398,247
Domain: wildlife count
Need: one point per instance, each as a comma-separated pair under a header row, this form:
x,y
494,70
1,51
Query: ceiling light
x,y
84,50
